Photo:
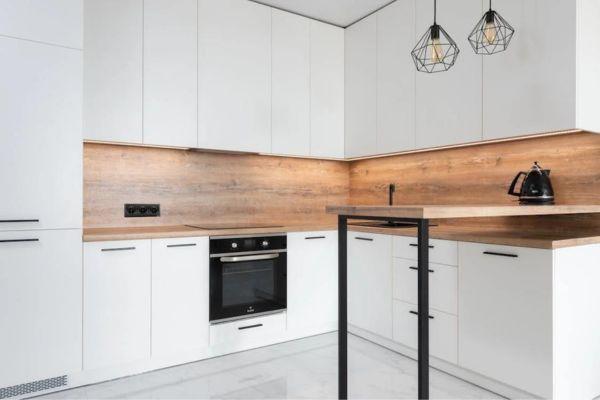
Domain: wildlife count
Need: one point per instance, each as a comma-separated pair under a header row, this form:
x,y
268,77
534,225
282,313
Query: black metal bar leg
x,y
343,307
423,297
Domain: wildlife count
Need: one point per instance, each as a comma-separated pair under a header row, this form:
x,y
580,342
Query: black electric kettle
x,y
536,187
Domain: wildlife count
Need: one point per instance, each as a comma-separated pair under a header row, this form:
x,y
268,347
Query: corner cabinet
x,y
370,282
116,303
312,283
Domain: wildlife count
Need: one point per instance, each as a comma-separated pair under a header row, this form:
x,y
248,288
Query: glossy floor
x,y
304,368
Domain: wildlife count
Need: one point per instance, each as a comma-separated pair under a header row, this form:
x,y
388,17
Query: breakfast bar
x,y
419,216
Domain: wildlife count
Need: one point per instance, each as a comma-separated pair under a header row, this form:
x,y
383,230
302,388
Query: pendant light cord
x,y
490,5
435,11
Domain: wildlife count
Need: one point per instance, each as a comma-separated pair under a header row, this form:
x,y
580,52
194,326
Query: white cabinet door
x,y
443,330
58,22
40,305
395,77
234,75
291,84
40,143
531,87
170,72
180,294
505,314
112,79
116,303
312,282
449,103
370,282
361,88
326,90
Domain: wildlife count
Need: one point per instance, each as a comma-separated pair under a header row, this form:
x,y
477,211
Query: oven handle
x,y
249,258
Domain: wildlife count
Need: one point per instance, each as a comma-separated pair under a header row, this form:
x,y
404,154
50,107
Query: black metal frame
x,y
423,300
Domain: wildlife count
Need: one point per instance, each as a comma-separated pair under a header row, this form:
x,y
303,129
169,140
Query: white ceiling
x,y
337,12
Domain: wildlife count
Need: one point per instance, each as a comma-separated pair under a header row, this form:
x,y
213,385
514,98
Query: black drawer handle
x,y
416,245
363,238
416,269
19,240
250,326
314,237
17,221
120,249
416,313
493,253
182,245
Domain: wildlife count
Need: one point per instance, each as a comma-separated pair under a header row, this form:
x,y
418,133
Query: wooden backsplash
x,y
482,174
203,187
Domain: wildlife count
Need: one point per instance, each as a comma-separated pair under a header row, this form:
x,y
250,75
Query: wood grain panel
x,y
482,174
201,187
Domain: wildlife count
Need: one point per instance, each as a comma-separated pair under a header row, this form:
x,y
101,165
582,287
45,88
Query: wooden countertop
x,y
463,234
157,232
454,211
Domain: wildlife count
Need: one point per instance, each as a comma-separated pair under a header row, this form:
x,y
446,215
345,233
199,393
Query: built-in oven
x,y
248,276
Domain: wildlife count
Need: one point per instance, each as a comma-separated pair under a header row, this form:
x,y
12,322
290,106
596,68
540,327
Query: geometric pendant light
x,y
436,51
492,34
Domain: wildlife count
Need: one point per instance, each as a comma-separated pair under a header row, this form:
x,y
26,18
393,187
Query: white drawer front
x,y
443,331
248,332
443,290
440,251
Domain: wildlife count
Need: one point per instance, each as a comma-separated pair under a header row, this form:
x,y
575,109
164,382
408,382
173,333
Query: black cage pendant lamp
x,y
492,34
436,51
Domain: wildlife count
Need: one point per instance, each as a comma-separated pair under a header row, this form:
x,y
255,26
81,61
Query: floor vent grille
x,y
32,387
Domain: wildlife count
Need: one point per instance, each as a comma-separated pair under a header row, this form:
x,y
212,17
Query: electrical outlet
x,y
142,210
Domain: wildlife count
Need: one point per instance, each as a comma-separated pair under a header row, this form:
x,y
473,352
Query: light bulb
x,y
437,52
489,32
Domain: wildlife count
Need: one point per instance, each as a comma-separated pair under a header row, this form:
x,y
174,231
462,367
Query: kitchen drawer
x,y
443,290
443,331
440,251
249,331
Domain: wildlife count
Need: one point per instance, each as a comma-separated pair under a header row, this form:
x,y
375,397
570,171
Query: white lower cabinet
x,y
505,310
180,296
312,282
370,282
247,333
117,303
443,331
40,305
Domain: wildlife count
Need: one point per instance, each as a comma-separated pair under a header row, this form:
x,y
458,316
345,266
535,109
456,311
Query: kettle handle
x,y
511,190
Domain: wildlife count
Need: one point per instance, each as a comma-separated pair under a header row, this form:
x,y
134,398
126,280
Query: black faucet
x,y
392,189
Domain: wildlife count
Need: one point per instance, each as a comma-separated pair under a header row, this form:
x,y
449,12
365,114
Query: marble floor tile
x,y
301,369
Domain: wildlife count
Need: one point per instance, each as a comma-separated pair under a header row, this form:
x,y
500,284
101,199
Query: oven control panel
x,y
247,244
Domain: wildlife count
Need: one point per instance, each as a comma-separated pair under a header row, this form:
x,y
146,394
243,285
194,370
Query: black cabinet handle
x,y
416,269
363,238
250,326
120,249
19,240
416,245
493,253
416,313
314,237
182,245
17,221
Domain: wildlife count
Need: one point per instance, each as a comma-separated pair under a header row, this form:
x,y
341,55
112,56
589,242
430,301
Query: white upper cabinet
x,y
58,22
40,144
291,84
361,88
449,103
170,72
326,90
234,75
531,87
112,79
395,77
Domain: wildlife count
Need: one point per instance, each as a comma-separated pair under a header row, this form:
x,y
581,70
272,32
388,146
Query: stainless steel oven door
x,y
243,285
